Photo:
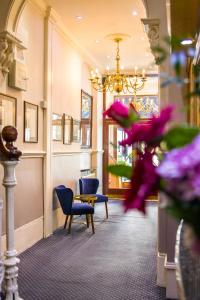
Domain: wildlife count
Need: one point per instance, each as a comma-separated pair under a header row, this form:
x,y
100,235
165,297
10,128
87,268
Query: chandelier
x,y
118,82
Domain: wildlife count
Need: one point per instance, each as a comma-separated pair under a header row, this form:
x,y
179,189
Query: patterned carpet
x,y
117,263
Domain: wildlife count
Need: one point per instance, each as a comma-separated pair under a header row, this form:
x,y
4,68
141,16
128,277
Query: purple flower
x,y
178,58
180,170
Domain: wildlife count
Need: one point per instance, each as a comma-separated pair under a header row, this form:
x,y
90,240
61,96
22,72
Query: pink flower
x,y
150,131
117,111
123,115
143,183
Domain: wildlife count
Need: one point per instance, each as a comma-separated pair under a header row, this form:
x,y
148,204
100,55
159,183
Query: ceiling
x,y
103,17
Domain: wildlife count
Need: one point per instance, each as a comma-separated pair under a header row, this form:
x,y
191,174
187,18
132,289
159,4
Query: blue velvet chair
x,y
65,197
90,186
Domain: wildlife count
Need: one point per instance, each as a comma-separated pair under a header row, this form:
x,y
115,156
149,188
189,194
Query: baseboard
x,y
171,285
58,218
161,271
26,235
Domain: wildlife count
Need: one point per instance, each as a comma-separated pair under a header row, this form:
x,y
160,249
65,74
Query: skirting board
x,y
171,285
26,235
161,271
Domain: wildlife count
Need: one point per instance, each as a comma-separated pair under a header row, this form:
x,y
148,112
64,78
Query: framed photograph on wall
x,y
76,131
8,111
67,129
57,130
30,122
86,120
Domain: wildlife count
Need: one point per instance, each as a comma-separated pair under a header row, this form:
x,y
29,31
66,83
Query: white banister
x,y
9,156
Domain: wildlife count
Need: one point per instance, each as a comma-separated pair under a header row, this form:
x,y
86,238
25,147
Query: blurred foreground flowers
x,y
178,173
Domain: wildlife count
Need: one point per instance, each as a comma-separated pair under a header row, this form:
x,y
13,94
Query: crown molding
x,y
40,4
56,20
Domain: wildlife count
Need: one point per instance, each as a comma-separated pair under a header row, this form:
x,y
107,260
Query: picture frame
x,y
8,111
67,129
86,105
86,119
145,105
57,127
30,122
76,131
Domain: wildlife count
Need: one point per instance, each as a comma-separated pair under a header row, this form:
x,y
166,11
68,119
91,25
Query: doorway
x,y
115,154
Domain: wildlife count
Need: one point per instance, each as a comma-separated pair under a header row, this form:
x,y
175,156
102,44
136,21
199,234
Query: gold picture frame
x,y
57,123
30,122
76,131
86,120
8,111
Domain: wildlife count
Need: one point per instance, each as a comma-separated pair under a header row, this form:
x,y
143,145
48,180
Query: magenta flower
x,y
150,131
180,170
144,182
117,111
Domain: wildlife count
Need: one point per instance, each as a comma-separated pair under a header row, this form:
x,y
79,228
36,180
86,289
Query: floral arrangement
x,y
167,160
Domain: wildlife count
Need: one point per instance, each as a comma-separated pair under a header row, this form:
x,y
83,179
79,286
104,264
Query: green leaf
x,y
180,136
120,170
132,118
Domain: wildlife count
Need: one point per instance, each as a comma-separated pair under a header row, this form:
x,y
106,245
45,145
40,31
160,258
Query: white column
x,y
11,261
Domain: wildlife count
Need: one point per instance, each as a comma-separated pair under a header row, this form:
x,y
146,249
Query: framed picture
x,y
85,134
57,122
8,111
145,105
86,120
67,129
76,131
86,105
30,122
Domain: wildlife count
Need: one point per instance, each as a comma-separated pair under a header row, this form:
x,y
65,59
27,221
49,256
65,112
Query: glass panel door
x,y
116,154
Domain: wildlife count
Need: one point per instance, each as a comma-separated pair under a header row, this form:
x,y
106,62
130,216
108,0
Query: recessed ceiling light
x,y
147,54
134,13
79,18
97,41
187,42
122,67
108,56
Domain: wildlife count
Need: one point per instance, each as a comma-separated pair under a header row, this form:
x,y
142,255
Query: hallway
x,y
118,262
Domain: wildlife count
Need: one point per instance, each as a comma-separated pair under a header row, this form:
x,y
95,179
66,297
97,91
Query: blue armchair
x,y
65,197
90,186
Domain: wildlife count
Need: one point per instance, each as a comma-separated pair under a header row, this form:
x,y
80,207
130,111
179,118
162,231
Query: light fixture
x,y
134,13
188,41
79,18
118,82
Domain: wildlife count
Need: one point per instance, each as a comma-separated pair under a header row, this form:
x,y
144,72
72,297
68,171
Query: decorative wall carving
x,y
152,29
8,44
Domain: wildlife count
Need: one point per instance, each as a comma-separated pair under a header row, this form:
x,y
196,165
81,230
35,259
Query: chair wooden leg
x,y
92,222
87,221
65,221
106,205
70,223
